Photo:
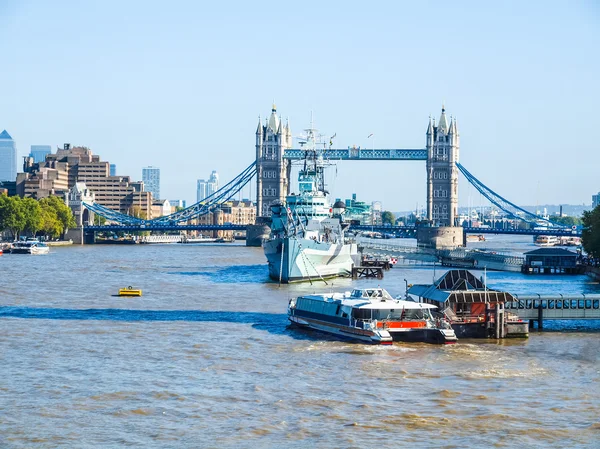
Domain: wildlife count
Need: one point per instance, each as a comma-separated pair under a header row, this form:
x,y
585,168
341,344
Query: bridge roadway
x,y
404,231
358,154
558,232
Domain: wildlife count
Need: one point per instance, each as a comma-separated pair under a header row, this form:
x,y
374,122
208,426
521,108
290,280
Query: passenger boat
x,y
307,240
371,315
29,246
546,240
130,291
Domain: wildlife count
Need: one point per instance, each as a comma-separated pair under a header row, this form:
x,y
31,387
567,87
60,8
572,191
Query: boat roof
x,y
379,299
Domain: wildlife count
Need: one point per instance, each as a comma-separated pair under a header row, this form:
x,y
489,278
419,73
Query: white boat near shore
x,y
29,246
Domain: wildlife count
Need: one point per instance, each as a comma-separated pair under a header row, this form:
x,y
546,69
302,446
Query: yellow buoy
x,y
130,291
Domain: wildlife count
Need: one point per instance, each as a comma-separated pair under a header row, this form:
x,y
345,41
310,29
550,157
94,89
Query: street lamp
x,y
406,289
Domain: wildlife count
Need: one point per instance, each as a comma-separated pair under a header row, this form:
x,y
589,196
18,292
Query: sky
x,y
179,85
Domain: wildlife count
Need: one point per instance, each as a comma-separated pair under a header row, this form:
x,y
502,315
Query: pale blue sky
x,y
179,85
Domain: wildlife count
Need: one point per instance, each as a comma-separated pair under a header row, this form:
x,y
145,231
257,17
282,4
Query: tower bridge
x,y
272,168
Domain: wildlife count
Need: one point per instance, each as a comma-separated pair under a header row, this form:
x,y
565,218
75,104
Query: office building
x,y
205,189
151,179
39,152
178,203
595,201
62,170
8,157
113,169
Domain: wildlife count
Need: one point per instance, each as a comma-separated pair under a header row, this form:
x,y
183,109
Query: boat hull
x,y
345,332
297,260
30,250
340,327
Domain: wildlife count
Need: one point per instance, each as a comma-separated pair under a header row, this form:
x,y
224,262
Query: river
x,y
205,359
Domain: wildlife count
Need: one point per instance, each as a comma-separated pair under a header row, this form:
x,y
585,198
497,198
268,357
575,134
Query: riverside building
x,y
8,157
69,165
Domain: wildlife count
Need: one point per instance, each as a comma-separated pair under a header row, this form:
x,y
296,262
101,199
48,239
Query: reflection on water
x,y
206,359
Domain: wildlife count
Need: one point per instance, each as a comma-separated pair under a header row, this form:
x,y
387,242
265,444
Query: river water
x,y
205,359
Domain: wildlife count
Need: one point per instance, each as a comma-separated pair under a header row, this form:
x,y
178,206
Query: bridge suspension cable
x,y
511,209
208,204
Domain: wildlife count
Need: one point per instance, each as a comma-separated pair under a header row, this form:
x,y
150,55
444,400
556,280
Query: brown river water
x,y
206,359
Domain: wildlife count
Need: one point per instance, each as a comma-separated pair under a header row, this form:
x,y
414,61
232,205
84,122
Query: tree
x,y
32,212
11,215
63,212
566,221
387,217
51,225
99,220
590,237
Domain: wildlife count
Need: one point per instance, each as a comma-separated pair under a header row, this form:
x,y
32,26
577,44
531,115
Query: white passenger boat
x,y
546,240
371,315
29,246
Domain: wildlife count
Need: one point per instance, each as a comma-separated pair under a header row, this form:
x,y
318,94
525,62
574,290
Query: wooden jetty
x,y
367,272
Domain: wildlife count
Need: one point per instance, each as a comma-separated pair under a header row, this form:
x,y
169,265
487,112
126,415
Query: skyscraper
x,y
206,188
39,152
113,169
151,178
8,157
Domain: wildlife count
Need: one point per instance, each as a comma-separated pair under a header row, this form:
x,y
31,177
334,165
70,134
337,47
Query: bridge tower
x,y
443,143
272,171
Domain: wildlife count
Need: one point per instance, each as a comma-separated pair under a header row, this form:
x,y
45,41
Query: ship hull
x,y
298,260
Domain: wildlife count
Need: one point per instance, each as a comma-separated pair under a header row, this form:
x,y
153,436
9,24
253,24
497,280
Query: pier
x,y
555,307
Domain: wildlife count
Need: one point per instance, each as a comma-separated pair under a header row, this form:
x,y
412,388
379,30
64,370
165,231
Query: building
x,y
551,261
234,212
8,157
443,143
39,152
204,189
161,208
151,179
113,169
595,201
178,203
272,170
69,165
358,212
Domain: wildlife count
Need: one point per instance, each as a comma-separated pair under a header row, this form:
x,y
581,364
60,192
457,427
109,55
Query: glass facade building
x,y
206,188
151,178
113,169
8,157
39,152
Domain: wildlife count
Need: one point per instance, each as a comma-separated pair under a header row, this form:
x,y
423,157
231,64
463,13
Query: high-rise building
x,y
272,138
39,152
8,157
113,169
151,178
595,200
205,189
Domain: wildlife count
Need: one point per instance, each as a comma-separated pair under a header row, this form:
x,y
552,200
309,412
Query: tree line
x,y
49,217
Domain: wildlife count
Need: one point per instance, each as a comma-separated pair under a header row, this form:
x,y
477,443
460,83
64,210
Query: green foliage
x,y
12,216
387,217
566,221
590,238
49,215
32,213
99,220
51,225
63,212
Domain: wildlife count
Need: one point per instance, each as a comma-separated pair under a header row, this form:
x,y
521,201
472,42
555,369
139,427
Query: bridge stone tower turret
x,y
272,171
443,145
